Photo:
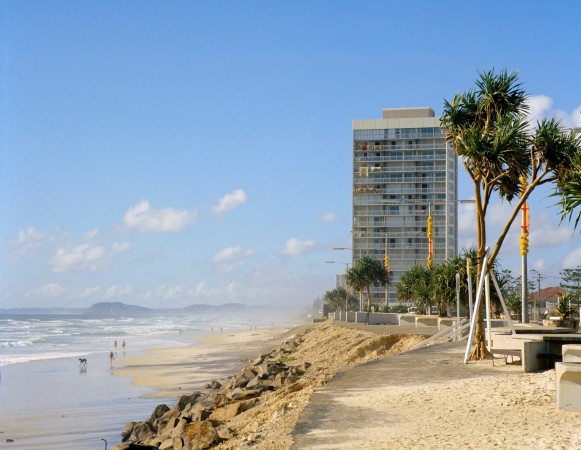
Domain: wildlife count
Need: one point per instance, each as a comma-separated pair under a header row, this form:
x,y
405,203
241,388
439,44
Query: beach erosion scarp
x,y
261,404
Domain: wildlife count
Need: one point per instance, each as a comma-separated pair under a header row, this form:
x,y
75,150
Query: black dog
x,y
82,362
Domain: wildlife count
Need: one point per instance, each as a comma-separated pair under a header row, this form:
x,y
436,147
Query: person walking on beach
x,y
123,344
115,344
111,356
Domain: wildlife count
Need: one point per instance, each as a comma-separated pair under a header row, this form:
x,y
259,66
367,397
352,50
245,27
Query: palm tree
x,y
365,272
570,191
489,130
415,285
444,287
337,298
355,279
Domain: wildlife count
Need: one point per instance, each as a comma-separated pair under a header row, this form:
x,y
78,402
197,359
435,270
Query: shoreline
x,y
175,371
52,404
87,406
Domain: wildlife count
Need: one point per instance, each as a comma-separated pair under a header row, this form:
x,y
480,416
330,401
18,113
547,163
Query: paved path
x,y
330,424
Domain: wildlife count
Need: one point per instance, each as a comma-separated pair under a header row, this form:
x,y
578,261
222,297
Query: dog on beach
x,y
82,362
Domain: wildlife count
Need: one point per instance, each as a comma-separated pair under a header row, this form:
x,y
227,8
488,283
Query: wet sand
x,y
172,372
53,404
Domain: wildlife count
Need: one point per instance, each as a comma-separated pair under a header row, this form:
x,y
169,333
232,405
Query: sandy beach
x,y
53,404
172,372
472,406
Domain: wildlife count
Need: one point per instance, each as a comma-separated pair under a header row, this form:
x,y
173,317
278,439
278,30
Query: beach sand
x,y
172,372
498,407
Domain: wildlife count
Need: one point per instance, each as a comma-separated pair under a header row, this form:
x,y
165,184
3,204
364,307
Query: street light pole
x,y
346,285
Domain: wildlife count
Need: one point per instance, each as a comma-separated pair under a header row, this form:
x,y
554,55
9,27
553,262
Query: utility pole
x,y
524,249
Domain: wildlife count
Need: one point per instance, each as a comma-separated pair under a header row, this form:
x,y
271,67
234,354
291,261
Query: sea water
x,y
33,337
47,400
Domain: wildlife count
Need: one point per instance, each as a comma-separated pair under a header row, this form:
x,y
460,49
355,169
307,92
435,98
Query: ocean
x,y
34,337
47,400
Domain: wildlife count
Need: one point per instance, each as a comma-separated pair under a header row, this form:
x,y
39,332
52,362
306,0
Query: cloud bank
x,y
541,106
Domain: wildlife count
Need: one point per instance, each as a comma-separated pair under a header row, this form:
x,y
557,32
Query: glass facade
x,y
402,174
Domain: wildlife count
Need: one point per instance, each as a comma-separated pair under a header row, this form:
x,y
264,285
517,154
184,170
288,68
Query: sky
x,y
171,153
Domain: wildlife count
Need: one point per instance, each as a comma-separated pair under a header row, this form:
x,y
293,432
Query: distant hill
x,y
122,309
117,308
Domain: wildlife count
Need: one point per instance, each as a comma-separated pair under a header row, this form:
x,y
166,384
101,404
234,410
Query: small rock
x,y
226,413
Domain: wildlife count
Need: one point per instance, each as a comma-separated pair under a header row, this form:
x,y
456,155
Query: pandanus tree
x,y
570,192
489,129
364,273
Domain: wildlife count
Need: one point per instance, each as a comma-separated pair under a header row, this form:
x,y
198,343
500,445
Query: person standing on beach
x,y
111,356
123,344
115,344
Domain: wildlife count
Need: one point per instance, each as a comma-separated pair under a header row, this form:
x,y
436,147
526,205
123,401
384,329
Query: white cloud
x,y
120,247
118,291
543,233
296,247
81,257
231,253
467,218
230,201
540,265
28,240
143,218
572,259
541,107
90,292
164,292
230,258
328,216
91,234
227,289
26,235
569,120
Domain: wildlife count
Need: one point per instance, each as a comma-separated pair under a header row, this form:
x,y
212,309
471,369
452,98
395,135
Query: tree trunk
x,y
479,350
368,306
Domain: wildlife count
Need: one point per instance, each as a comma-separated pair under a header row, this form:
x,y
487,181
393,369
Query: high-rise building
x,y
403,173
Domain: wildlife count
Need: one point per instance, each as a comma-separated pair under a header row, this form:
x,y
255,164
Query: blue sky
x,y
170,153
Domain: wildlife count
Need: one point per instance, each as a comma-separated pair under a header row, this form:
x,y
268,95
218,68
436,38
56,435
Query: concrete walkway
x,y
329,423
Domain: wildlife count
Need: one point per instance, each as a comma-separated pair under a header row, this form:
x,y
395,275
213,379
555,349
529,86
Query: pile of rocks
x,y
200,420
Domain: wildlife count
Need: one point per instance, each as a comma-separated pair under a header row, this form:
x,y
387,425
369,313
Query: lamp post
x,y
524,249
346,285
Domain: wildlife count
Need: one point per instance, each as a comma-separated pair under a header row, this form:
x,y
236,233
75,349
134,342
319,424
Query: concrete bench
x,y
506,352
427,321
571,353
407,319
568,379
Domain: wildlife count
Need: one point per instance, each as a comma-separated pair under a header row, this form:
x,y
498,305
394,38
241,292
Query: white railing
x,y
455,333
